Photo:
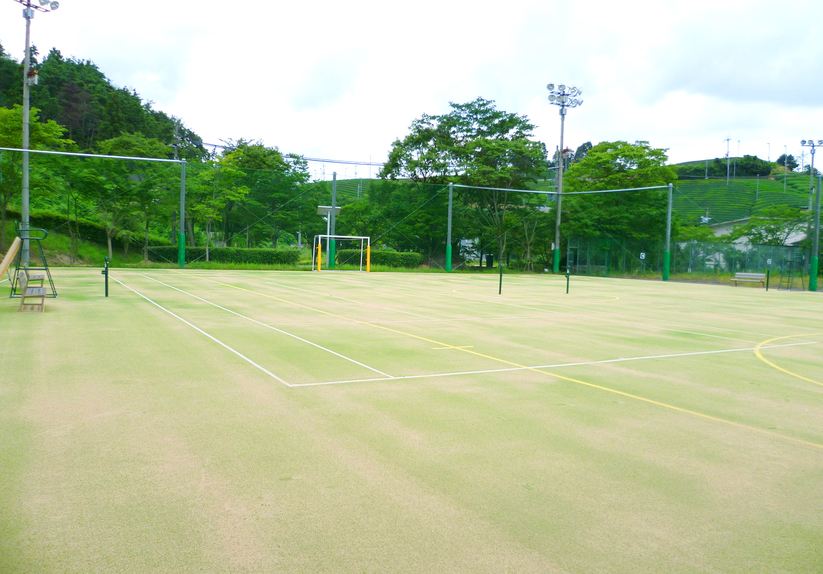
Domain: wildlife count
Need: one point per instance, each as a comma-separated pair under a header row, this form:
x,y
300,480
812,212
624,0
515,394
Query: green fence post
x,y
814,267
332,219
667,252
181,236
449,232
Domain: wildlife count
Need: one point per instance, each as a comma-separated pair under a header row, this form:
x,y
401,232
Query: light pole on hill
x,y
29,78
565,97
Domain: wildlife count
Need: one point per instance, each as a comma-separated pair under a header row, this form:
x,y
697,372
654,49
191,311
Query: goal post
x,y
345,250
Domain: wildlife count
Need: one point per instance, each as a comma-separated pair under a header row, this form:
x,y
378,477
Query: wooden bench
x,y
749,278
33,297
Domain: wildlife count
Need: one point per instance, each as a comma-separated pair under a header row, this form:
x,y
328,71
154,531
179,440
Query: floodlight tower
x,y
811,144
29,78
565,97
813,260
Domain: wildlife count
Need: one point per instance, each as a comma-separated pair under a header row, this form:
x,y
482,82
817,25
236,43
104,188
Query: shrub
x,y
382,257
227,255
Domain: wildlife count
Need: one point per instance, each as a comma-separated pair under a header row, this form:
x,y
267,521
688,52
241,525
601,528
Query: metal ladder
x,y
794,268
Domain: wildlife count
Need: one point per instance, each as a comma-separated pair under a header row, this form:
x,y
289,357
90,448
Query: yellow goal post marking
x,y
365,247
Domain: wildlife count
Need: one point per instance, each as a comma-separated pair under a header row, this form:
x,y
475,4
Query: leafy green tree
x,y
702,233
750,165
787,161
773,225
631,214
276,200
411,216
582,151
474,144
529,227
42,135
126,190
360,218
11,80
213,188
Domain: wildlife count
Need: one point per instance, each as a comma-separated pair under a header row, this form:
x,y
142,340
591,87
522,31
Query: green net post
x,y
181,236
500,268
667,253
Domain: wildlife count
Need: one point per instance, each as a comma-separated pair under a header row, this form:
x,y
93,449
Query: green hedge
x,y
236,255
381,257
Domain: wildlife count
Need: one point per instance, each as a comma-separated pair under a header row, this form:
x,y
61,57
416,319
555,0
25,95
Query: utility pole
x,y
29,78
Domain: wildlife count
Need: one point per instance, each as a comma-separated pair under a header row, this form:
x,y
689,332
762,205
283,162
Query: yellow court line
x,y
541,371
460,348
778,367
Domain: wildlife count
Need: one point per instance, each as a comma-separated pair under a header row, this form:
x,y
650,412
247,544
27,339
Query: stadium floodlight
x,y
29,78
565,98
811,144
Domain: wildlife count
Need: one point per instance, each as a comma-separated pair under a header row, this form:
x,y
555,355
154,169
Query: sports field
x,y
256,422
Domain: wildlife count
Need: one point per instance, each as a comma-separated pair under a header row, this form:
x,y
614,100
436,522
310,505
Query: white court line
x,y
201,331
336,354
555,366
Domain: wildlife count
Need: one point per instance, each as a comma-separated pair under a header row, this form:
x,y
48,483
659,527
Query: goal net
x,y
347,252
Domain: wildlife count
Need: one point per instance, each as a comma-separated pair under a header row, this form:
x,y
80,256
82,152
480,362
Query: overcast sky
x,y
342,80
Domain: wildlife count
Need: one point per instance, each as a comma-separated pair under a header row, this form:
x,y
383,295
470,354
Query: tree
x,y
360,218
773,225
11,80
474,144
637,215
274,181
787,161
42,135
582,151
750,165
123,189
214,187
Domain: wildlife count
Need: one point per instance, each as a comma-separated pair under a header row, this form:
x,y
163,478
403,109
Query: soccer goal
x,y
341,252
